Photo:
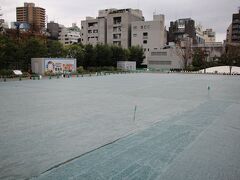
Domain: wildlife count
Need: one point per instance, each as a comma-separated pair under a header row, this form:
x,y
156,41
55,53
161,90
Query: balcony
x,y
145,37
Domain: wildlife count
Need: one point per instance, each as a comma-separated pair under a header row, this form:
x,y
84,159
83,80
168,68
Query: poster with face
x,y
59,65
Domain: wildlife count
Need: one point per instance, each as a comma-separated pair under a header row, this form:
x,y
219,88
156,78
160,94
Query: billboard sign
x,y
60,65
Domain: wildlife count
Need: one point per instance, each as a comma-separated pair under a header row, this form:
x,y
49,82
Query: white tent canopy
x,y
222,70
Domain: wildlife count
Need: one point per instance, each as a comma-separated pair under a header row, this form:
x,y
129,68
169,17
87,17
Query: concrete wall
x,y
165,59
37,65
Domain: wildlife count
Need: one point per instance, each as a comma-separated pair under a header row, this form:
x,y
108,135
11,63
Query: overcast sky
x,y
214,14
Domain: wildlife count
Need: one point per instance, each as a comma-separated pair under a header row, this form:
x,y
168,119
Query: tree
x,y
103,55
136,53
119,54
231,57
33,48
89,56
184,50
8,53
198,59
76,51
55,49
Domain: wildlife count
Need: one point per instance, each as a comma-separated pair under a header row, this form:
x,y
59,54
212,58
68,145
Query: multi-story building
x,y
199,34
93,30
150,35
68,36
35,16
212,50
209,36
185,27
235,33
119,26
53,30
229,34
112,26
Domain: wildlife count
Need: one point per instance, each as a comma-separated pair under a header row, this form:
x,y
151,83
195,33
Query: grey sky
x,y
214,14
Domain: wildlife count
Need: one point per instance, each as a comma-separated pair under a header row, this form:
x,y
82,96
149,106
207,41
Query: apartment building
x,y
93,30
112,26
119,26
34,16
209,36
199,34
235,33
53,30
151,35
185,27
229,34
68,36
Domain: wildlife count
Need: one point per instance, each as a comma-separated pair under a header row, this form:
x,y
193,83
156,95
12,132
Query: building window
x,y
144,41
116,36
159,54
160,62
117,20
134,35
145,34
95,31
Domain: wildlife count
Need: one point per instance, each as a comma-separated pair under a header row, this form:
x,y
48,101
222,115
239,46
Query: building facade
x,y
209,36
150,35
213,50
166,59
53,30
35,16
93,30
185,27
229,34
119,26
235,33
68,36
112,26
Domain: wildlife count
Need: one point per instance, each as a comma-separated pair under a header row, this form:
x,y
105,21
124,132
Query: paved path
x,y
203,143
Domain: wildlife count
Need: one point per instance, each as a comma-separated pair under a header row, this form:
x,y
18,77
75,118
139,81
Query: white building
x,y
165,59
209,36
151,35
53,65
70,35
199,34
